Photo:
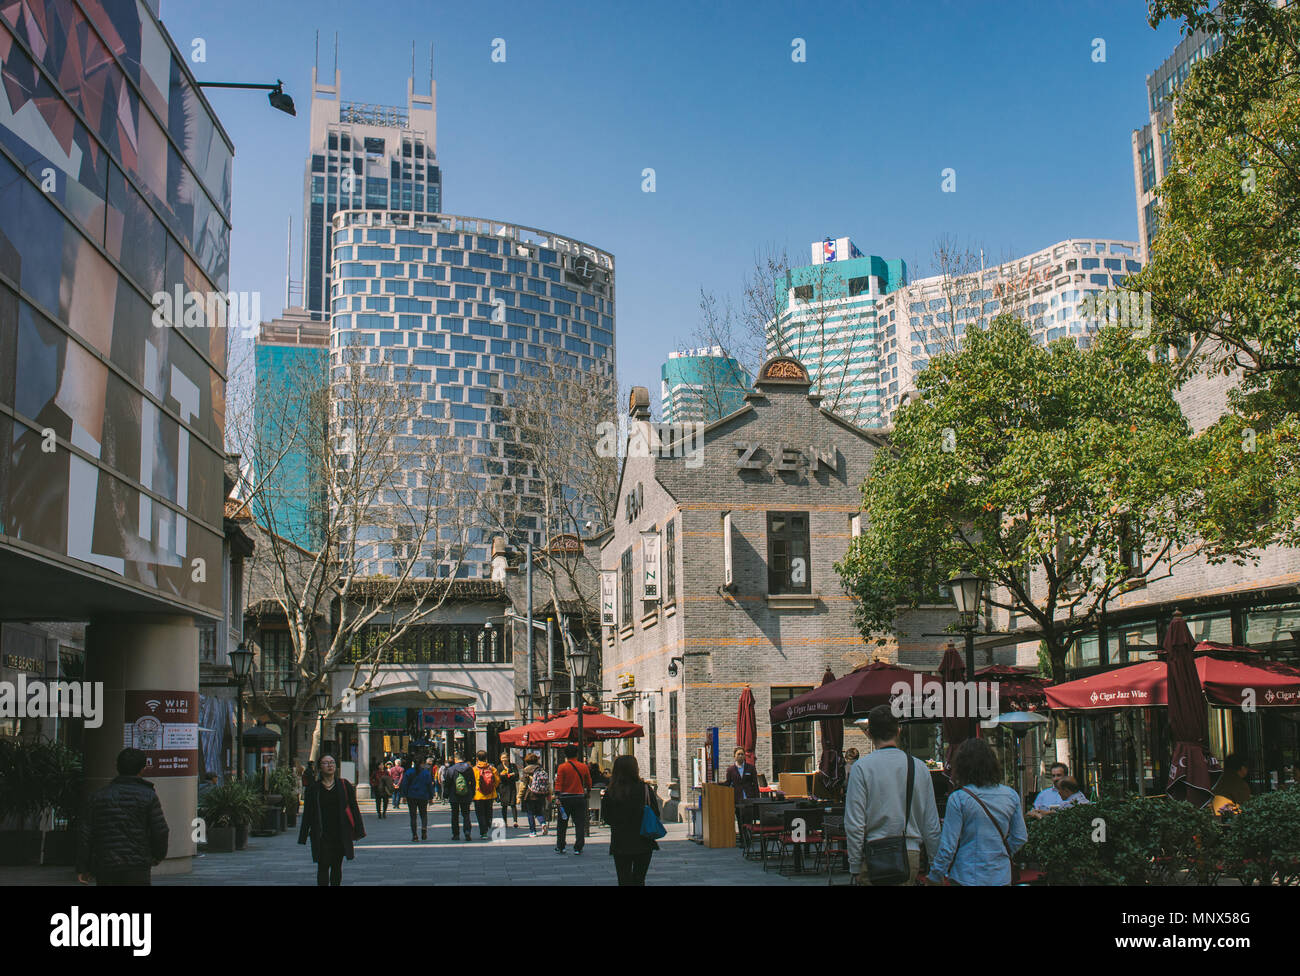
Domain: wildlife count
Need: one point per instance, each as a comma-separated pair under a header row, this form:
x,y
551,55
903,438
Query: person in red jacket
x,y
397,772
572,781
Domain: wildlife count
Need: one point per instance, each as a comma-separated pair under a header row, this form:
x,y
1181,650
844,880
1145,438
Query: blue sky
x,y
750,149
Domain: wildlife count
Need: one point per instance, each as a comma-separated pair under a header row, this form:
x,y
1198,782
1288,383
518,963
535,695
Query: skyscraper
x,y
827,319
1152,144
363,157
454,314
702,385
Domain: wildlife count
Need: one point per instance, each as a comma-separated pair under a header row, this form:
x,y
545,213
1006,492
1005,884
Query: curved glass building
x,y
456,312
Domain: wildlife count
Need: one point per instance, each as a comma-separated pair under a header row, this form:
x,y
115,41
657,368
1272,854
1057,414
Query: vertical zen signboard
x,y
650,566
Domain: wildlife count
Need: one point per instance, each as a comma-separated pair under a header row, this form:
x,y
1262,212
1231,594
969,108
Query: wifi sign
x,y
153,704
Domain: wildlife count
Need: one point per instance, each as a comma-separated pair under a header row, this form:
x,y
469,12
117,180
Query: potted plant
x,y
63,793
22,799
228,810
282,784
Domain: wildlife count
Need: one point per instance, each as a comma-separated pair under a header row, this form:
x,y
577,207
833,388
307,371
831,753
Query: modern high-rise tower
x,y
702,385
363,157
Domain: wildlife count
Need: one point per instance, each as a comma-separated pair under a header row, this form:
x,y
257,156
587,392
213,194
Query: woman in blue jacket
x,y
983,824
417,787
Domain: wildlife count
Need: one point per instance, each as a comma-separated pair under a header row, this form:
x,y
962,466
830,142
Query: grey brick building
x,y
783,476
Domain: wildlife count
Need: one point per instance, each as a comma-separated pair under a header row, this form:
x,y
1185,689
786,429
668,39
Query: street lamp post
x,y
290,685
579,660
241,663
967,592
275,93
322,704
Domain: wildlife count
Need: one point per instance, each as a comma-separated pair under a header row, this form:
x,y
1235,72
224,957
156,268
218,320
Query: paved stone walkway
x,y
387,856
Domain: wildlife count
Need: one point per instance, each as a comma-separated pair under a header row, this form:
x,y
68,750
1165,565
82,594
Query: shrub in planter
x,y
1262,843
36,779
1129,841
231,805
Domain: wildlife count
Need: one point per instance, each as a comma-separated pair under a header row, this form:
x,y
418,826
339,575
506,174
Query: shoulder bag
x,y
651,826
1015,868
886,859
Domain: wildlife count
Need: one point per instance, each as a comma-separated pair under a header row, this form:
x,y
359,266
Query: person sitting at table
x,y
1233,781
743,780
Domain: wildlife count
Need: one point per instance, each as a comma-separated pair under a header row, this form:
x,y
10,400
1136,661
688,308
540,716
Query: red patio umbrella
x,y
746,724
831,766
956,728
1189,772
520,736
596,727
851,696
1264,684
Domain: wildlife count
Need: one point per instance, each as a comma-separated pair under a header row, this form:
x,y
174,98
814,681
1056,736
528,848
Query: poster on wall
x,y
726,550
164,725
650,566
449,718
608,597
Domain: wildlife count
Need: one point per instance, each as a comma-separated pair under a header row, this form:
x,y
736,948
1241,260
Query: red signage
x,y
164,725
449,718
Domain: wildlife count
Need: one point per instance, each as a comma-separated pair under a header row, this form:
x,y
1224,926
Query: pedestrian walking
x,y
537,793
485,792
381,787
332,820
417,787
435,769
623,808
889,809
572,781
458,783
122,833
397,772
983,823
508,788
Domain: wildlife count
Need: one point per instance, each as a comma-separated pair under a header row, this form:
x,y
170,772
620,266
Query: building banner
x,y
726,550
608,597
164,725
449,718
650,565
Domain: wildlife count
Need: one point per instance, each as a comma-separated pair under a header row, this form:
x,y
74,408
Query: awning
x,y
1230,683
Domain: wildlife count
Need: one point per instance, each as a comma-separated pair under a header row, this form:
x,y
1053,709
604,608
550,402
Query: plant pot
x,y
291,818
60,848
20,847
221,840
241,837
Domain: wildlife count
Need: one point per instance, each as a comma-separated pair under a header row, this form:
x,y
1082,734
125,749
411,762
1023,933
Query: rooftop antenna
x,y
288,256
431,66
412,60
336,52
316,60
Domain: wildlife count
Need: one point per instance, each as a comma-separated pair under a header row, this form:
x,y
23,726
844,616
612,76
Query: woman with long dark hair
x,y
622,807
332,819
983,823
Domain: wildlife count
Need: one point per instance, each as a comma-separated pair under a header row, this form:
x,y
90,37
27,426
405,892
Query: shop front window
x,y
1130,643
792,744
1275,627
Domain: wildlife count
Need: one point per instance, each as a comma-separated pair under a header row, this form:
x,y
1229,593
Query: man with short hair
x,y
1051,797
875,802
458,782
572,781
1071,794
1233,781
123,832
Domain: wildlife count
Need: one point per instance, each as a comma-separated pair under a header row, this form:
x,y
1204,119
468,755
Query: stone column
x,y
144,653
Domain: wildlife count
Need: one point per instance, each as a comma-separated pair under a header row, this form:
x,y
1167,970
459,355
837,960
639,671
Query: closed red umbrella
x,y
1189,772
746,724
851,696
831,766
955,727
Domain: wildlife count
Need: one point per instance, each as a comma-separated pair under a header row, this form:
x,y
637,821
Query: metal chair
x,y
811,834
835,845
771,824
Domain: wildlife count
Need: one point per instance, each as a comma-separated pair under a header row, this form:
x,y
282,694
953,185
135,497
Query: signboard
x,y
726,550
449,718
565,544
650,566
608,597
164,725
393,719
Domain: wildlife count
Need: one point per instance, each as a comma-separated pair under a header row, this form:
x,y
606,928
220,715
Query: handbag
x,y
886,859
651,826
349,798
1015,868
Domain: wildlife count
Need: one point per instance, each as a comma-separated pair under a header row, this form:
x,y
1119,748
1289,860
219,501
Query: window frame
x,y
778,583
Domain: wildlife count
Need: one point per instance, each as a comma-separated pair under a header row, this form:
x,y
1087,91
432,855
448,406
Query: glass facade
x,y
458,311
115,185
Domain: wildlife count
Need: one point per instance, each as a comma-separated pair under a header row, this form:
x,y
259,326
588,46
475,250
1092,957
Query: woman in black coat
x,y
332,819
622,807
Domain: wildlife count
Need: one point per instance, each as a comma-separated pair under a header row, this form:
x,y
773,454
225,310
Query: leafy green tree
x,y
1224,269
1058,474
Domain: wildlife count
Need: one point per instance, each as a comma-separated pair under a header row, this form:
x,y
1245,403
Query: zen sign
x,y
786,458
650,565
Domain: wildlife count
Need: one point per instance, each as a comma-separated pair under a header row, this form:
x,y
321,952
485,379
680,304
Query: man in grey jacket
x,y
877,792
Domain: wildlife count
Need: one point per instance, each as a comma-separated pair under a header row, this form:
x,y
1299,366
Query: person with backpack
x,y
417,787
458,783
381,787
536,784
485,792
624,805
983,824
889,809
572,781
508,790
